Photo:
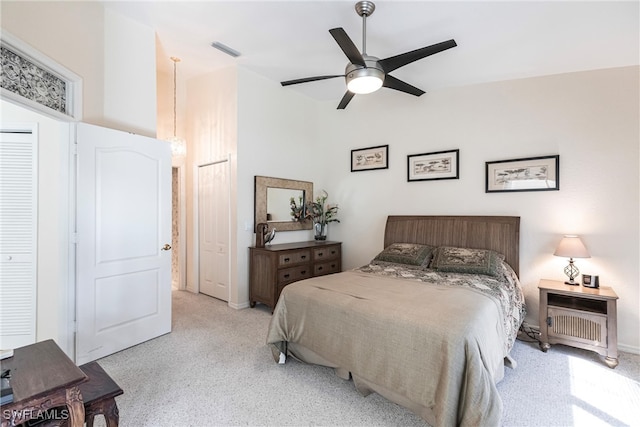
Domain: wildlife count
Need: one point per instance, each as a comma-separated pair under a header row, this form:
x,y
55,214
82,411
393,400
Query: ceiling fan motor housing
x,y
371,71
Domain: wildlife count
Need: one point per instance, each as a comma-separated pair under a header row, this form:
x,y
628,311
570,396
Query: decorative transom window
x,y
31,79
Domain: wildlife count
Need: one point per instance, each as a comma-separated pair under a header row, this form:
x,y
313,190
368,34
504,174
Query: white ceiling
x,y
284,40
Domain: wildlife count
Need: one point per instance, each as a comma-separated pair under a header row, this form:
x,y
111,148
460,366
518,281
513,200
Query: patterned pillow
x,y
406,253
465,260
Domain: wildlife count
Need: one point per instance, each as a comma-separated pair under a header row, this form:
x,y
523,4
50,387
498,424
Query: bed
x,y
428,324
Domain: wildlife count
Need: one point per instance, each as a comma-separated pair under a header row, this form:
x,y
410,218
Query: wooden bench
x,y
98,395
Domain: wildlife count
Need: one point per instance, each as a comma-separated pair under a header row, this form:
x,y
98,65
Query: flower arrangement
x,y
322,214
297,210
319,212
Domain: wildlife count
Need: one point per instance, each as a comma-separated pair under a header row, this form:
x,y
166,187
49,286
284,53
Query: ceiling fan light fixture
x,y
364,80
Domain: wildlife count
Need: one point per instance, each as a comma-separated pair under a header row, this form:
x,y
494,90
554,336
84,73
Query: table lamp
x,y
571,247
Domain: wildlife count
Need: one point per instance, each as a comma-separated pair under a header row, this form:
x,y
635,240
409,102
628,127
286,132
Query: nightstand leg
x,y
544,346
611,362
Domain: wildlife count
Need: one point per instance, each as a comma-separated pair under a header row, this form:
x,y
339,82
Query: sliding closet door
x,y
18,234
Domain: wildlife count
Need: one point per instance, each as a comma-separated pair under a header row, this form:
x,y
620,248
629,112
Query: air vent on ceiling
x,y
226,49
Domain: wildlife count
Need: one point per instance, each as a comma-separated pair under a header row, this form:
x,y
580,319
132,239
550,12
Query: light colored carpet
x,y
214,369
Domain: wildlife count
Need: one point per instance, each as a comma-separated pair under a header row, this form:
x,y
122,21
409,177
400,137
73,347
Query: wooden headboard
x,y
498,233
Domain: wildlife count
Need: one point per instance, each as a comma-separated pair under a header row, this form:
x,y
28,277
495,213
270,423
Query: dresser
x,y
275,266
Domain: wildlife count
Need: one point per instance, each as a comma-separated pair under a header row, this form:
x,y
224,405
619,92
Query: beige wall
x,y
72,34
114,56
129,76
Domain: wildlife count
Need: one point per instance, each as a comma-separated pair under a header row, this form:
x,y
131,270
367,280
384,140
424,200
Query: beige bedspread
x,y
438,350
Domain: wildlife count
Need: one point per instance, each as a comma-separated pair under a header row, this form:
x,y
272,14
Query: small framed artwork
x,y
432,166
528,174
364,159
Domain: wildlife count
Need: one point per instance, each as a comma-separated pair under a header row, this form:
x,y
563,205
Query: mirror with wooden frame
x,y
272,202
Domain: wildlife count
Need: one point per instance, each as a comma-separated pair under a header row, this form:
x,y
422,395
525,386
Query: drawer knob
x,y
286,260
286,276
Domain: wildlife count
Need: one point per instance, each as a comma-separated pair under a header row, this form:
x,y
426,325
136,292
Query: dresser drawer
x,y
291,258
328,267
332,252
288,275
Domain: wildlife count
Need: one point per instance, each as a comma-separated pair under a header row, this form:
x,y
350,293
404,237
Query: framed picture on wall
x,y
433,166
527,174
364,159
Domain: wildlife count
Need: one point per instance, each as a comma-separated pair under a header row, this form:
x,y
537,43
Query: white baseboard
x,y
628,349
239,306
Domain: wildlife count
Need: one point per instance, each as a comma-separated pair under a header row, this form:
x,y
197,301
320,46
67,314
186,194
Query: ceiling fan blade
x,y
345,100
347,46
309,79
395,62
393,83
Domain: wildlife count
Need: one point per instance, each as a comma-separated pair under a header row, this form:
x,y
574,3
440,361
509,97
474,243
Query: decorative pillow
x,y
406,253
466,260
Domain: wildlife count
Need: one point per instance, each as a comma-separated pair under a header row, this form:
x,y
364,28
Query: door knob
x,y
166,247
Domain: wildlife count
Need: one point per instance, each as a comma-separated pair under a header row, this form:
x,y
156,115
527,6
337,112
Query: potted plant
x,y
322,214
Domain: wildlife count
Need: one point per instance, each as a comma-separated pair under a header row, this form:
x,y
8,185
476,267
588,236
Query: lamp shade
x,y
571,247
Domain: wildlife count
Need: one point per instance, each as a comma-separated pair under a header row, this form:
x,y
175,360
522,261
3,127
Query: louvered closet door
x,y
18,236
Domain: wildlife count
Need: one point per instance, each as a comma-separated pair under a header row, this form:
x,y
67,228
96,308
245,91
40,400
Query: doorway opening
x,y
178,229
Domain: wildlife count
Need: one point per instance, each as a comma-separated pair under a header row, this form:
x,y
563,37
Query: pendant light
x,y
178,145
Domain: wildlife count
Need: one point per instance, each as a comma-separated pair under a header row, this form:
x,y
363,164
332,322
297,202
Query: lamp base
x,y
572,272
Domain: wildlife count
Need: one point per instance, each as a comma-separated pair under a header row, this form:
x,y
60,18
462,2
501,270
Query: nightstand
x,y
579,317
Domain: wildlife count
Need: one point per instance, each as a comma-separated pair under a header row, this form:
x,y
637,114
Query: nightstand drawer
x,y
292,274
332,252
326,268
291,258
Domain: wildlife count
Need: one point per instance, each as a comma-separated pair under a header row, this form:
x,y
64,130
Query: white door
x,y
123,283
213,229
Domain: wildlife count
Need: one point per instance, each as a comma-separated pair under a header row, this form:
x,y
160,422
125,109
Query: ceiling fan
x,y
365,73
